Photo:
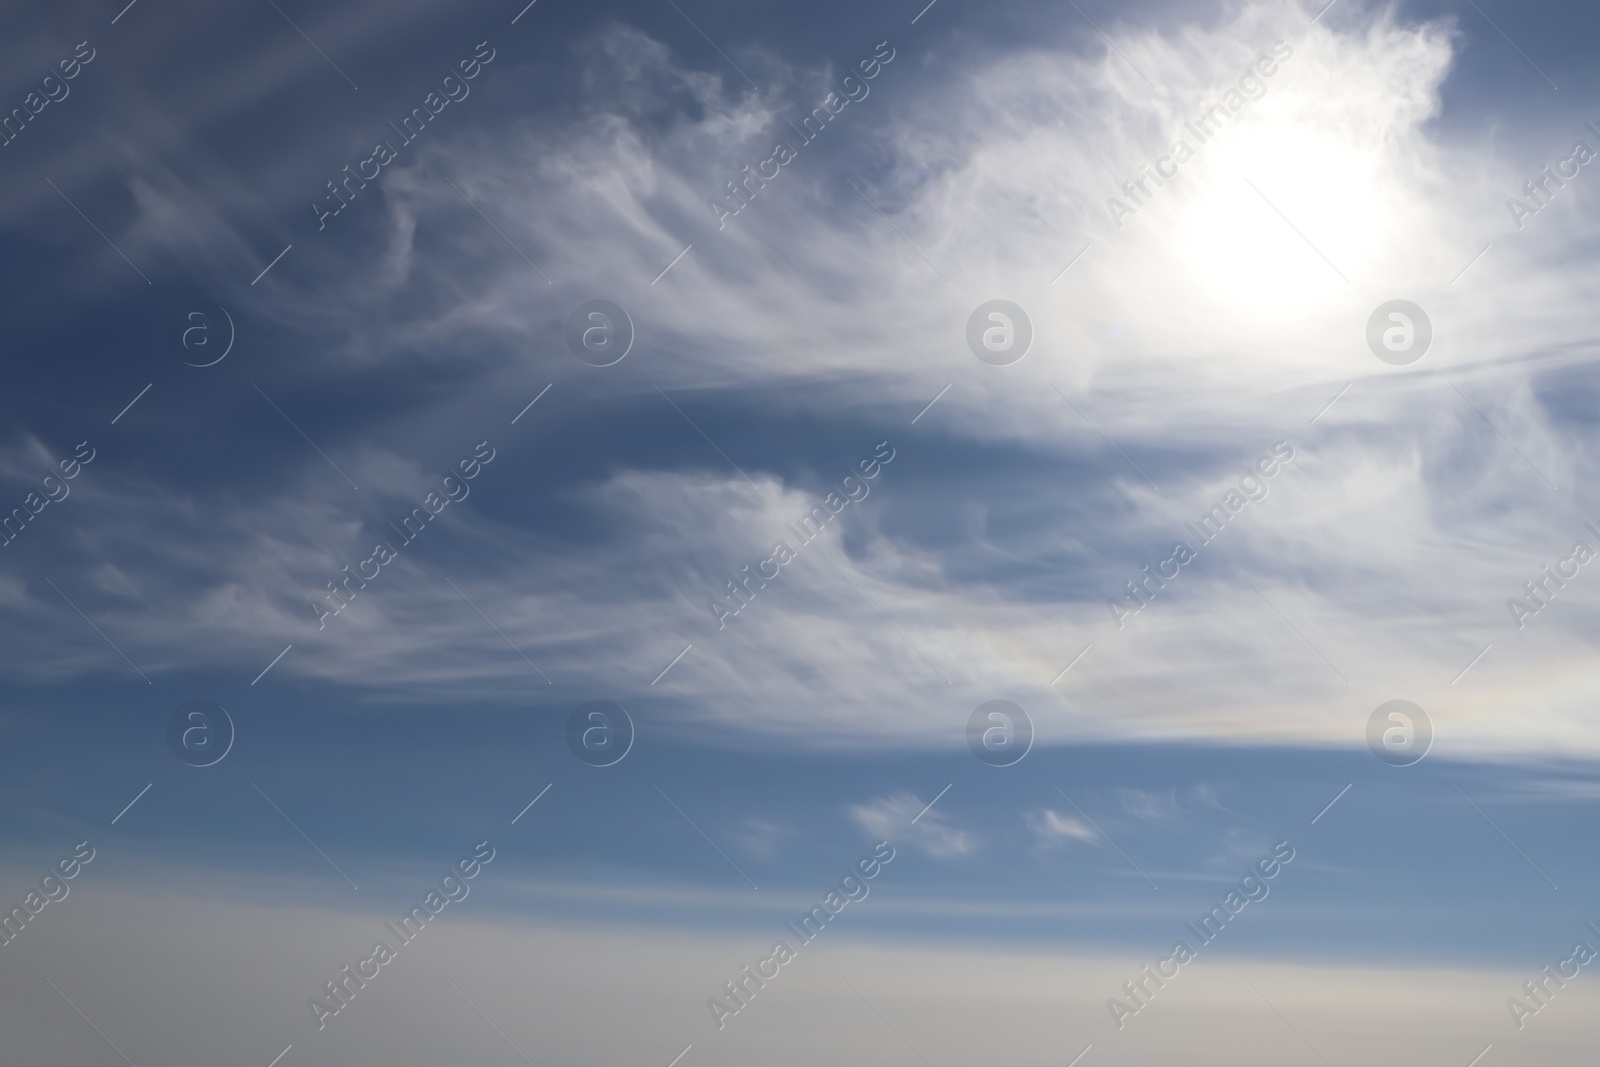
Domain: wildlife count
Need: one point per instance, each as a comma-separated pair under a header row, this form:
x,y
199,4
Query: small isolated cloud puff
x,y
1051,829
890,819
759,838
1150,807
1167,807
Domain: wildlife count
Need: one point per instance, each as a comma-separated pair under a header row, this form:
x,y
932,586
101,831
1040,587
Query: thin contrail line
x,y
1331,803
302,833
713,44
531,803
1296,229
1502,833
1069,666
132,402
1332,402
674,662
101,232
1075,259
274,263
932,802
1469,666
896,229
90,1021
932,402
273,664
313,44
705,835
501,632
497,229
131,803
1103,834
532,402
1295,628
302,433
99,631
669,266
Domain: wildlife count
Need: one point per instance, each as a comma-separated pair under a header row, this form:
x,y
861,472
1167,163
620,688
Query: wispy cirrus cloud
x,y
889,818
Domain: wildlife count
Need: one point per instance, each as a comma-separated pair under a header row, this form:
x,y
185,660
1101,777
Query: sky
x,y
666,457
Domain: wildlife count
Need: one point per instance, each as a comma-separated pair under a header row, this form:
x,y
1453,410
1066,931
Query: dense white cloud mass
x,y
1217,319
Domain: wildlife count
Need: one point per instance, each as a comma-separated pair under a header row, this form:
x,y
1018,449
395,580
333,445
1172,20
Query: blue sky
x,y
1218,319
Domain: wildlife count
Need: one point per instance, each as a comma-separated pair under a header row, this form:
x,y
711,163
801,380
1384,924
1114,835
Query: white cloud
x,y
1233,333
760,837
1051,829
890,819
